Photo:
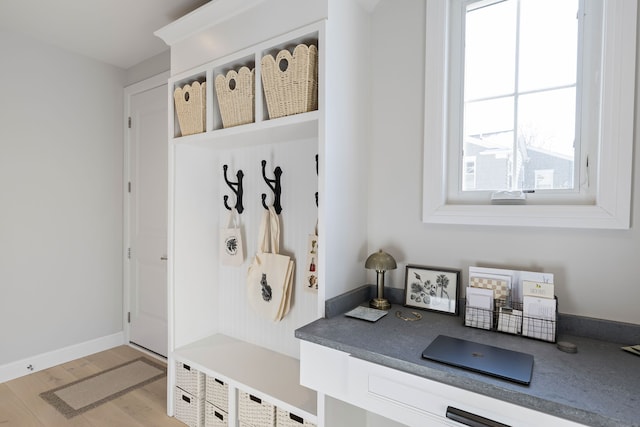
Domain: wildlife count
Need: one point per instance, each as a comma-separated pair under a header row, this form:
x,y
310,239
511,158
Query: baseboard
x,y
42,361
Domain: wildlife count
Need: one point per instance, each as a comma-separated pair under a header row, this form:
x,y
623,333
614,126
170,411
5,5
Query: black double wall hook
x,y
274,185
236,187
316,174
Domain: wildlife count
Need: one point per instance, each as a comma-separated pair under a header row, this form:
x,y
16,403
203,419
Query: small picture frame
x,y
431,288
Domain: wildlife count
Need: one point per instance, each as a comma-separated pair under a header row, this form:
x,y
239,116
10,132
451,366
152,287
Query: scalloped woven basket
x,y
236,96
290,81
190,101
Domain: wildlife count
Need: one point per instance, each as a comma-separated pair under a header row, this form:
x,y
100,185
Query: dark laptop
x,y
498,362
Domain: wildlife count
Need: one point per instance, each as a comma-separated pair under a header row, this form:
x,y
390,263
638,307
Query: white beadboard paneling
x,y
298,218
195,251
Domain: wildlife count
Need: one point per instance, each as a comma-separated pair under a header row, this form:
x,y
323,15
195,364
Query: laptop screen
x,y
498,362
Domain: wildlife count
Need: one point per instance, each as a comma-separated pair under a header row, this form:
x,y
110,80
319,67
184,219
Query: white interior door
x,y
147,219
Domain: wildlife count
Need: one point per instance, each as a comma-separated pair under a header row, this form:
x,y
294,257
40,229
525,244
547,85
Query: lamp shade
x,y
380,261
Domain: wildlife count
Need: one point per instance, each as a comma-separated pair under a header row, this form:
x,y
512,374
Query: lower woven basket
x,y
289,419
255,412
214,417
188,408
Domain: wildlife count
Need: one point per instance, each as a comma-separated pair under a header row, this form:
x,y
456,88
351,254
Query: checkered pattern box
x,y
289,419
190,380
217,393
499,287
188,408
214,417
255,412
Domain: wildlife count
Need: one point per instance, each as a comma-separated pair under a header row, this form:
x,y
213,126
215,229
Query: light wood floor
x,y
21,405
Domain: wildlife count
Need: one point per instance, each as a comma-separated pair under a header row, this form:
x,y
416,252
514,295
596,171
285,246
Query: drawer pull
x,y
469,419
186,399
296,418
218,415
219,381
255,399
187,367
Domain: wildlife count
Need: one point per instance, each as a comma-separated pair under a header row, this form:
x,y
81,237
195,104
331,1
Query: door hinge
x,y
129,122
129,317
129,253
129,186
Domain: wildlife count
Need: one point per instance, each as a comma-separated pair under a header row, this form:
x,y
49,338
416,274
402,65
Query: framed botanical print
x,y
431,288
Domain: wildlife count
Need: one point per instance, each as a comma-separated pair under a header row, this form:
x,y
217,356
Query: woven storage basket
x,y
291,81
289,419
217,392
214,417
190,101
255,412
236,95
190,380
188,408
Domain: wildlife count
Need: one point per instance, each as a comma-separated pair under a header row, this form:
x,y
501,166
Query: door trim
x,y
129,91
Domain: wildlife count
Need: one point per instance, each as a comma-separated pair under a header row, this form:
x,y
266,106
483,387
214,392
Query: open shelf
x,y
299,126
264,373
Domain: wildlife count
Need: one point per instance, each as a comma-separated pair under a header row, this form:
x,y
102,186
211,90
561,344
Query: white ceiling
x,y
118,32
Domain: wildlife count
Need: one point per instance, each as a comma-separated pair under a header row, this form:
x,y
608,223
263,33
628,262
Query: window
x,y
519,99
532,95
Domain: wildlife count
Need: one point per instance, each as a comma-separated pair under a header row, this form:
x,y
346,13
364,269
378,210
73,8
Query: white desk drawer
x,y
417,401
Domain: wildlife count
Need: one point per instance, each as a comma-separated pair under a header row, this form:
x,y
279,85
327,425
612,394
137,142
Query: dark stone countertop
x,y
597,386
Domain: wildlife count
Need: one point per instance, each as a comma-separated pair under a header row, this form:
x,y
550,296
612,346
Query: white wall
x,y
597,271
149,68
61,151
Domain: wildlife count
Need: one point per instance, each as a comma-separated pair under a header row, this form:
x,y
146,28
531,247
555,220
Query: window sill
x,y
564,216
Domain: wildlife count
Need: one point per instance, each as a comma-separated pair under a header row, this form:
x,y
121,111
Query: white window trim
x,y
613,192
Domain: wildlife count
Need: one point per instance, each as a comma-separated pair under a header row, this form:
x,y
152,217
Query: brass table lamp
x,y
380,262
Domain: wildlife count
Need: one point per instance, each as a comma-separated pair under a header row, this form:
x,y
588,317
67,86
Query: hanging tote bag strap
x,y
269,234
233,218
274,224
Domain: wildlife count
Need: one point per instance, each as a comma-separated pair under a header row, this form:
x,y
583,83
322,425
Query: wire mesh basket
x,y
510,318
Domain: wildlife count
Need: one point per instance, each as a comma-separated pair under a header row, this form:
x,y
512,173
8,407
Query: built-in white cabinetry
x,y
407,398
211,325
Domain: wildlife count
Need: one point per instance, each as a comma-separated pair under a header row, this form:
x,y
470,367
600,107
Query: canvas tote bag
x,y
231,248
311,267
270,275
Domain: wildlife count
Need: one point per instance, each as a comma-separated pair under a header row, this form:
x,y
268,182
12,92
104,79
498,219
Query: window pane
x,y
488,138
490,45
534,43
493,162
546,134
484,119
548,43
